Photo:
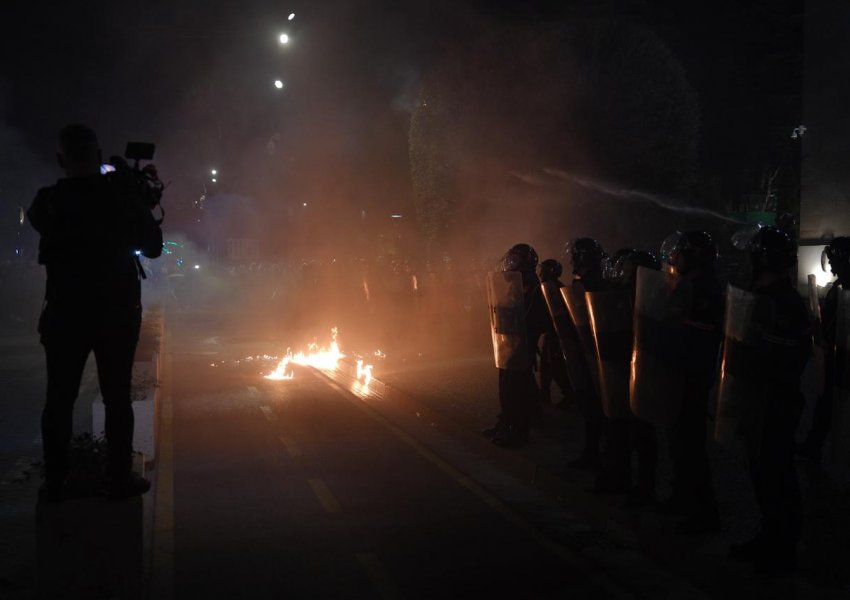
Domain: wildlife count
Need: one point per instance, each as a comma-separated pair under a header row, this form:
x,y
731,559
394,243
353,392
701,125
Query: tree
x,y
599,98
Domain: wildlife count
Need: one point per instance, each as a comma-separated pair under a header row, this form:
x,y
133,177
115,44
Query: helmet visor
x,y
670,245
741,239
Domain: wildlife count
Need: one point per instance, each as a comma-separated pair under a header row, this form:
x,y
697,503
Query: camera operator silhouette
x,y
92,228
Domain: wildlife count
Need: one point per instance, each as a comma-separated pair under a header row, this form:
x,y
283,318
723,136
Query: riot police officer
x,y
836,257
91,228
587,261
692,256
552,366
643,438
521,331
781,344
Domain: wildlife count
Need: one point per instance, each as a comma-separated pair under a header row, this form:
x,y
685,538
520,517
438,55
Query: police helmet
x,y
521,257
684,251
625,268
836,255
585,253
550,270
772,249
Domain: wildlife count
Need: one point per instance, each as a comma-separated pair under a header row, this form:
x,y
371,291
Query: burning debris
x,y
324,358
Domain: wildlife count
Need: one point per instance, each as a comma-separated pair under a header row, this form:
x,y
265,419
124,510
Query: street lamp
x,y
278,84
291,16
284,38
214,172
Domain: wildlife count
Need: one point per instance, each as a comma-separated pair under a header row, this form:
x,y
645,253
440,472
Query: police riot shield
x,y
611,325
507,320
841,397
574,299
738,416
577,369
656,379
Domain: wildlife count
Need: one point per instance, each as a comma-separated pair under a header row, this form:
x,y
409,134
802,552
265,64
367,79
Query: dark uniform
x,y
518,391
90,229
692,488
586,256
835,258
552,364
519,395
784,343
785,348
692,255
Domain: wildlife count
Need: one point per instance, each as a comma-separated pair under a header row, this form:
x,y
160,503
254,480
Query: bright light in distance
x,y
214,179
291,16
197,266
305,204
395,216
808,258
137,252
284,38
278,84
214,172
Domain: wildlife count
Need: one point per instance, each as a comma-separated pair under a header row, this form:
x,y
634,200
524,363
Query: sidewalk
x,y
460,396
85,547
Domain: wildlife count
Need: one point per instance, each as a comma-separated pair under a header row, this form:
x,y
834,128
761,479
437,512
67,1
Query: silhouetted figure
x,y
779,349
91,227
692,256
586,258
836,257
552,365
519,318
643,438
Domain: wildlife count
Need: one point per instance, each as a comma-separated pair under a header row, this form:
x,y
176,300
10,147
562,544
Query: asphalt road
x,y
299,489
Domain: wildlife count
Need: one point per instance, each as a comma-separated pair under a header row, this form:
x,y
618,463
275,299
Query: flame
x,y
364,373
318,357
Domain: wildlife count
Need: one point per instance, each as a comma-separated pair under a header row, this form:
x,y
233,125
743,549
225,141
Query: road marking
x,y
162,560
267,411
291,446
253,391
378,575
326,498
593,572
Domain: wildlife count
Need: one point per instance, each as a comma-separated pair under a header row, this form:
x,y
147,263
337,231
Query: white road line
x,y
377,574
326,498
267,411
291,446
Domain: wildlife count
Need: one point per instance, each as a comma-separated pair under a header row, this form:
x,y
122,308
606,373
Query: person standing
x,y
552,365
92,228
692,256
836,256
518,319
780,346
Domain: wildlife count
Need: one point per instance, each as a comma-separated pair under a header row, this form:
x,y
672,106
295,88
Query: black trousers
x,y
644,441
68,339
517,397
774,475
553,367
687,437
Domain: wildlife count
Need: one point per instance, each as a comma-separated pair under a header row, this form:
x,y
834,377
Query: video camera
x,y
143,182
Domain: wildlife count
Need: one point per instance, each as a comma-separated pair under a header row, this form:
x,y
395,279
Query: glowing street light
x,y
214,180
214,172
278,84
284,38
291,16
